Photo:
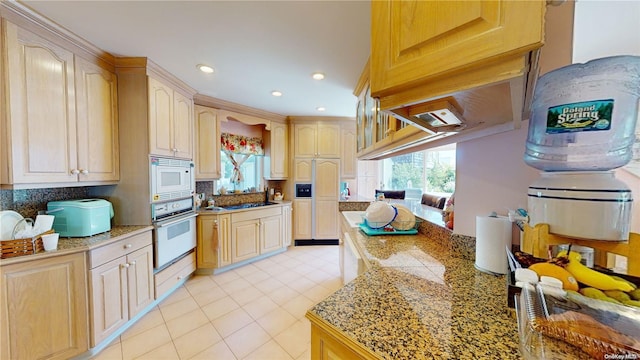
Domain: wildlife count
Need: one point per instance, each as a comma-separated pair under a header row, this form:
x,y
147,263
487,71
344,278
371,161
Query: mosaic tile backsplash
x,y
28,202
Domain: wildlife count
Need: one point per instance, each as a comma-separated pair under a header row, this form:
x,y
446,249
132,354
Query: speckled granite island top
x,y
417,301
68,245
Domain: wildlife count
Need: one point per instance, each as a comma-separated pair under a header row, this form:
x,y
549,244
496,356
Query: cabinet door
x,y
286,225
279,151
302,170
327,179
96,98
224,240
245,240
160,118
271,234
140,279
326,219
301,219
328,141
109,299
415,40
348,150
305,140
326,347
44,308
182,126
42,109
207,249
207,156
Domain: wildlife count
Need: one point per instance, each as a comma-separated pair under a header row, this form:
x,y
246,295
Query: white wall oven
x,y
174,235
171,179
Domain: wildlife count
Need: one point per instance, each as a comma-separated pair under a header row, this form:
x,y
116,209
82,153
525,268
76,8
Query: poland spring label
x,y
582,116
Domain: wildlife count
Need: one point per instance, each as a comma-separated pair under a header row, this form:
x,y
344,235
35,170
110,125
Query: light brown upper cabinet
x,y
60,114
415,41
484,54
348,162
97,112
156,114
317,139
376,131
207,156
170,121
276,158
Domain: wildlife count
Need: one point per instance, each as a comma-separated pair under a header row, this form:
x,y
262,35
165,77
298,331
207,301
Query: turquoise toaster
x,y
80,218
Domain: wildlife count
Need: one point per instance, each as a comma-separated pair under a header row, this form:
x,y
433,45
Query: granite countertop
x,y
417,301
69,245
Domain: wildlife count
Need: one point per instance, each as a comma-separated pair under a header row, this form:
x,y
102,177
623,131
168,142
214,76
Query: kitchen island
x,y
416,300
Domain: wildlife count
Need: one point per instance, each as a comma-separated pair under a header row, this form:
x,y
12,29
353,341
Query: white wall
x,y
620,36
491,175
606,28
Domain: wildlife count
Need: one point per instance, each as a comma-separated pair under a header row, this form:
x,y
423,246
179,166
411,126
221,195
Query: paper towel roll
x,y
493,234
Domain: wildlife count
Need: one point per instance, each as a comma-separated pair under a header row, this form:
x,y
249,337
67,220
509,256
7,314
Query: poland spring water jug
x,y
584,116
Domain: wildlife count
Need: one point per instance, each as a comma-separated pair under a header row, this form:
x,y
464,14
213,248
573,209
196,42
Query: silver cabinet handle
x,y
84,171
75,171
124,266
128,246
133,263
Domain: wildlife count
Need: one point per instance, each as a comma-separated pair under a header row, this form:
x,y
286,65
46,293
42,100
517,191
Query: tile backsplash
x,y
28,202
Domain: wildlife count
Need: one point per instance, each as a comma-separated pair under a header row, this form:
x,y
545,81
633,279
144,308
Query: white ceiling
x,y
254,46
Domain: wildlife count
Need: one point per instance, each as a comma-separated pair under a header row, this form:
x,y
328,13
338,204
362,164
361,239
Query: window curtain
x,y
238,149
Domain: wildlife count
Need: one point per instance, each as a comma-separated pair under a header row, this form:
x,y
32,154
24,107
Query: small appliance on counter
x,y
80,218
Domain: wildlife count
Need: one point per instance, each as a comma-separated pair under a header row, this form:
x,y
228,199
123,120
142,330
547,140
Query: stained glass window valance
x,y
239,144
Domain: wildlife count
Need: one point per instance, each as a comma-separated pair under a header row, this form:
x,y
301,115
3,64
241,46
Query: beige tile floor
x,y
252,312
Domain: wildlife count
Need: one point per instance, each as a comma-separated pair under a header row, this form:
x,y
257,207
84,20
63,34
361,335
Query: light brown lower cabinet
x,y
225,239
328,343
214,240
43,306
121,284
170,276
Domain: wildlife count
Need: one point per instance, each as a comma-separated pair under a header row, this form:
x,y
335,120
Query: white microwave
x,y
171,179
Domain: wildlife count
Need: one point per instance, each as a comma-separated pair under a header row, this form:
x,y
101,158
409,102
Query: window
x,y
431,170
250,169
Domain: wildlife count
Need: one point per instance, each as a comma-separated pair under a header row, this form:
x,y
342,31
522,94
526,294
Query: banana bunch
x,y
591,277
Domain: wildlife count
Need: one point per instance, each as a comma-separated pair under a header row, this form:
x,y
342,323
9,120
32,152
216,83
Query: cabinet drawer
x,y
109,252
169,277
271,210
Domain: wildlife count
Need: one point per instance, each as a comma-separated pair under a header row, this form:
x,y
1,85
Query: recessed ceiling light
x,y
276,93
320,108
205,68
317,76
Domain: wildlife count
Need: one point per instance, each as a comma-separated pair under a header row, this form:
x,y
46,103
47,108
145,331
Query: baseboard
x,y
317,242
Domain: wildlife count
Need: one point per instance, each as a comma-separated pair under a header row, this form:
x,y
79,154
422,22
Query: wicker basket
x,y
20,247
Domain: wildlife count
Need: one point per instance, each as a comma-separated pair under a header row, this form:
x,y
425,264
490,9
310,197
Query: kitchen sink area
x,y
240,206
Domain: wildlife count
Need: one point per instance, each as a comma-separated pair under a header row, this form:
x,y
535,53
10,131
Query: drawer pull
x,y
124,266
133,263
128,246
